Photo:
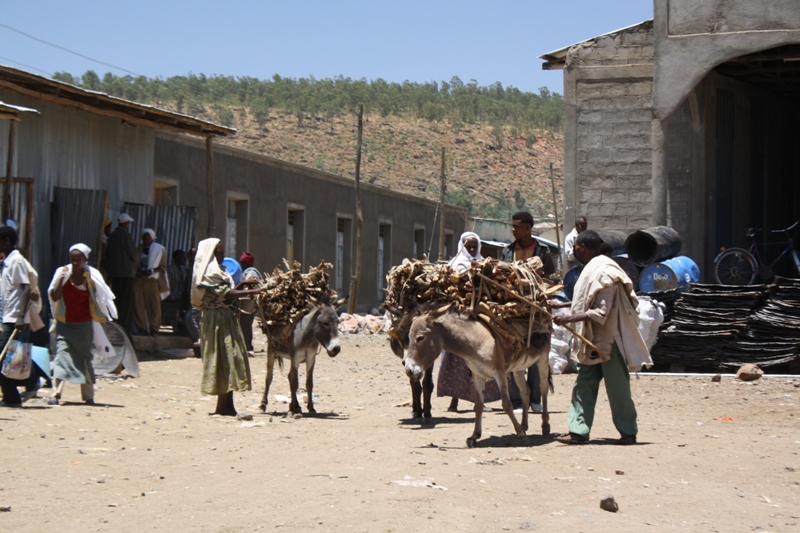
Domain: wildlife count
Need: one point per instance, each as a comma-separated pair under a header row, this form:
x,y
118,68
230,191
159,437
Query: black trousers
x,y
123,290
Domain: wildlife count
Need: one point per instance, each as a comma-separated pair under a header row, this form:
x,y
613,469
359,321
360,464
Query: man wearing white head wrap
x,y
151,285
455,378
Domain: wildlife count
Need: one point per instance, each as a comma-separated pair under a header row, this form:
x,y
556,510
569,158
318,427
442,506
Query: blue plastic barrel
x,y
570,279
233,268
675,273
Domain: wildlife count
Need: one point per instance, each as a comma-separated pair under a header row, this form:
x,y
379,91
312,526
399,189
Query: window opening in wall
x,y
384,257
236,227
419,243
164,192
294,236
343,254
449,250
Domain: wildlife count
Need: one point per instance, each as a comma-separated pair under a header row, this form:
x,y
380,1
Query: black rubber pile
x,y
705,321
771,335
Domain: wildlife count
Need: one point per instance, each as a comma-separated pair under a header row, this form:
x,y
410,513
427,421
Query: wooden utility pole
x,y
443,190
12,142
352,305
555,210
211,228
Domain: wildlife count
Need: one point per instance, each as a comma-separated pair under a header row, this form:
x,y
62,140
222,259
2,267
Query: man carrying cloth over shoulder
x,y
604,311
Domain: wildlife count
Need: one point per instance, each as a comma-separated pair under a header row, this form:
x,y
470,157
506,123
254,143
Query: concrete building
x,y
277,210
691,119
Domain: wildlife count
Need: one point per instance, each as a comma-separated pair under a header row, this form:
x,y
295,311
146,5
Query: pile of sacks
x,y
368,324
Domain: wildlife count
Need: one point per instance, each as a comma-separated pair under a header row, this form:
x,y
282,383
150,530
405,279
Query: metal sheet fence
x,y
175,225
76,217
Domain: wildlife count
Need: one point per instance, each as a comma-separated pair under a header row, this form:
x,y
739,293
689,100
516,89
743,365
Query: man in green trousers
x,y
604,312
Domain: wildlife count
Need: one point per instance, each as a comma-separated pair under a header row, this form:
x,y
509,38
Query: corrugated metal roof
x,y
556,58
39,87
14,110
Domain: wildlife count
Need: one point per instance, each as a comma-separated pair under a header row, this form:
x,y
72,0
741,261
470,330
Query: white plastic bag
x,y
17,361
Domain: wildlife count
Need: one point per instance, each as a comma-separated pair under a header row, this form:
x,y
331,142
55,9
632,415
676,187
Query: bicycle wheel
x,y
735,267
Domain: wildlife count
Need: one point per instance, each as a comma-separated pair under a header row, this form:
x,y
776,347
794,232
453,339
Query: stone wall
x,y
613,120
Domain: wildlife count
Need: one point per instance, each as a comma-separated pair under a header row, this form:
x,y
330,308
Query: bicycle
x,y
737,266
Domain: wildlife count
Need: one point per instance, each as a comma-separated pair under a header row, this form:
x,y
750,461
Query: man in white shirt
x,y
16,291
569,241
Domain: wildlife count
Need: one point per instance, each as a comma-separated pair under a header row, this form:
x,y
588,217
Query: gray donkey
x,y
319,327
486,355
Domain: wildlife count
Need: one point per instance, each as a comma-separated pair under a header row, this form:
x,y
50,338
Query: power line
x,y
48,43
26,66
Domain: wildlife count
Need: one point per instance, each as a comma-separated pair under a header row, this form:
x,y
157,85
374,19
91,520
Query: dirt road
x,y
713,457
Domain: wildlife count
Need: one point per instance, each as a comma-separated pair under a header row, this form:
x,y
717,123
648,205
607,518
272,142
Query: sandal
x,y
572,438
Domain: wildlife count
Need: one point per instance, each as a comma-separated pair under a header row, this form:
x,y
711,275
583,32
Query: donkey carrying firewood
x,y
488,356
300,344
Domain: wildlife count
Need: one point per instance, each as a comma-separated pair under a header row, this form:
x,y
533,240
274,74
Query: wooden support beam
x,y
211,228
12,144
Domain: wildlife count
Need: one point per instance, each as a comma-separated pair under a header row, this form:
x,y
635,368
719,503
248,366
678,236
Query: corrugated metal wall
x,y
66,147
175,225
77,217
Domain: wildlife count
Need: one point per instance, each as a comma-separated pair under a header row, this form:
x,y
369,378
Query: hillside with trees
x,y
499,140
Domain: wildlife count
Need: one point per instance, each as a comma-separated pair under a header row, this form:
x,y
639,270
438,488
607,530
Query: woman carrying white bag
x,y
81,302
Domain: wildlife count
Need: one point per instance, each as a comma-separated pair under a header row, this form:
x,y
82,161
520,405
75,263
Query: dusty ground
x,y
151,458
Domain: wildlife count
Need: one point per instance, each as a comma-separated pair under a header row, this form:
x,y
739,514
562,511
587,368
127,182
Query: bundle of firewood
x,y
498,293
284,297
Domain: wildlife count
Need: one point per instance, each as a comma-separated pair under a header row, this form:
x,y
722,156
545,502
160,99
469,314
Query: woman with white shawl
x,y
225,361
455,379
81,302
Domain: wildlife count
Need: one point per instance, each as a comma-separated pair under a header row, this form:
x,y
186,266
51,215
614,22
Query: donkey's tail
x,y
550,382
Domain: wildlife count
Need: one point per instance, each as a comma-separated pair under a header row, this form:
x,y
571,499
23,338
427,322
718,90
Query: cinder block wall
x,y
611,80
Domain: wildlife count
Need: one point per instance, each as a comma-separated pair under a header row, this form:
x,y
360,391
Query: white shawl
x,y
206,272
105,302
462,260
154,255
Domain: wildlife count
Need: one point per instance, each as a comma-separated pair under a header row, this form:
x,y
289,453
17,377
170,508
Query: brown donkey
x,y
487,356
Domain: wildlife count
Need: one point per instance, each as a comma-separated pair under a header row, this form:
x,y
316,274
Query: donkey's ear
x,y
394,334
340,302
436,313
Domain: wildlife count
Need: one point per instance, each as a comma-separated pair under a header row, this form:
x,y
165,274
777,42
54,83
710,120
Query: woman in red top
x,y
73,294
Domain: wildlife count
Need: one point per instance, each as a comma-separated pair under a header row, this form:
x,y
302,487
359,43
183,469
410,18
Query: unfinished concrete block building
x,y
691,119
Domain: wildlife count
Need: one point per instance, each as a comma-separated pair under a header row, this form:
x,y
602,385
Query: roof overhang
x,y
12,112
556,60
57,92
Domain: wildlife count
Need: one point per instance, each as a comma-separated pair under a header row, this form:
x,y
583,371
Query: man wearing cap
x,y
247,308
151,285
120,265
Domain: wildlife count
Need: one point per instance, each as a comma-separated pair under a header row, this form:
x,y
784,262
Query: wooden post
x,y
561,261
211,228
352,304
443,190
12,142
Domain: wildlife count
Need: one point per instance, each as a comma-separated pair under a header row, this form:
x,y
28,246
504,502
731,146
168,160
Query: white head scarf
x,y
82,248
151,232
462,261
206,271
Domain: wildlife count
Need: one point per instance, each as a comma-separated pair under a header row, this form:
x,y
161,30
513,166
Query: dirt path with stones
x,y
713,457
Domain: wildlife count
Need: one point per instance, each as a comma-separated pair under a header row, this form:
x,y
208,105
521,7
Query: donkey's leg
x,y
427,390
525,393
416,398
546,382
479,384
310,361
294,405
268,381
508,407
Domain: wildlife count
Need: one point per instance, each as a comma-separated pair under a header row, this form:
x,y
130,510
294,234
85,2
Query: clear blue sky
x,y
497,40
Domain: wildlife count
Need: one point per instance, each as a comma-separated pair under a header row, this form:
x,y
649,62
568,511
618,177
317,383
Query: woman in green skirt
x,y
225,361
